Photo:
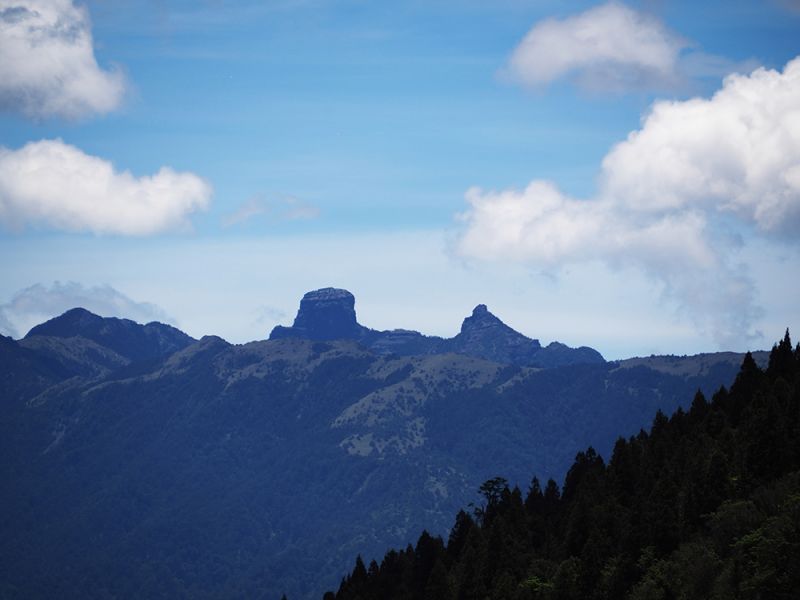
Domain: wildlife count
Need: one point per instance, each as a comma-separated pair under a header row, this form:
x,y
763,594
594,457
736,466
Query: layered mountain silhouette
x,y
329,314
123,336
138,462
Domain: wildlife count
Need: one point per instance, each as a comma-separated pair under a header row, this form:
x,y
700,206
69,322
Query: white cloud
x,y
38,303
674,199
47,62
6,327
610,47
55,185
542,225
737,152
607,46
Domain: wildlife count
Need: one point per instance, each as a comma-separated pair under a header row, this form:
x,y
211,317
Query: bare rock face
x,y
325,314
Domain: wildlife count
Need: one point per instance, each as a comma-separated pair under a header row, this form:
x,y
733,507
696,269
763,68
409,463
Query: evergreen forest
x,y
704,505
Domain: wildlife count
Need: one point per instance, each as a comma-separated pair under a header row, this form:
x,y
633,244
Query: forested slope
x,y
704,505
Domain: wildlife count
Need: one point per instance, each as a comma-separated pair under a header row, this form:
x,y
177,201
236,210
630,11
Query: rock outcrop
x,y
329,314
325,314
485,336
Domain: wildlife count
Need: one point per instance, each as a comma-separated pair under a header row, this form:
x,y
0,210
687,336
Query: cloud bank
x,y
54,185
38,303
610,47
675,200
47,62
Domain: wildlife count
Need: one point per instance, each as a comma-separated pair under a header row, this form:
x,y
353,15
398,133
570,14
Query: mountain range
x,y
140,462
329,314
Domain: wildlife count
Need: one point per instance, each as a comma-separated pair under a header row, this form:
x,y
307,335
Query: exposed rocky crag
x,y
329,314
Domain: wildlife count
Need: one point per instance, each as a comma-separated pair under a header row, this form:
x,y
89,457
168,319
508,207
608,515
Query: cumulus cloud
x,y
39,302
737,152
542,225
610,47
283,209
673,200
55,185
47,62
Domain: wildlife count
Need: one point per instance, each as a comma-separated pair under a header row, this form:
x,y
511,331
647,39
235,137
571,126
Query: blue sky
x,y
312,143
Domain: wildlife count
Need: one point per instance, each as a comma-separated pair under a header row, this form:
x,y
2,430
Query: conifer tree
x,y
705,505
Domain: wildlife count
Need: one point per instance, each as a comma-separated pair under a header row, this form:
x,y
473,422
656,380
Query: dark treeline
x,y
705,505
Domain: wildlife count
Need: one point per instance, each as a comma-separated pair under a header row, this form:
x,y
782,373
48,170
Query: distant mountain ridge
x,y
125,337
219,470
329,314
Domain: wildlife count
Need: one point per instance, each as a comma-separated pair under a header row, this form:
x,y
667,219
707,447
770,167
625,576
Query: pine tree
x,y
705,505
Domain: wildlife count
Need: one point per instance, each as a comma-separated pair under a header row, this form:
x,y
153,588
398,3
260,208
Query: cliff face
x,y
325,314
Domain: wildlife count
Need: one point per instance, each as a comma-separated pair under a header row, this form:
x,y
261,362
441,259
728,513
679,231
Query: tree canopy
x,y
704,505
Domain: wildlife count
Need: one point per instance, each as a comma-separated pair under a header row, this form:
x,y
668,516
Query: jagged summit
x,y
126,337
329,314
481,309
485,335
482,319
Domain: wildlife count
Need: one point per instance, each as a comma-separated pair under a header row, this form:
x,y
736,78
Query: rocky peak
x,y
486,336
329,314
481,319
324,314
